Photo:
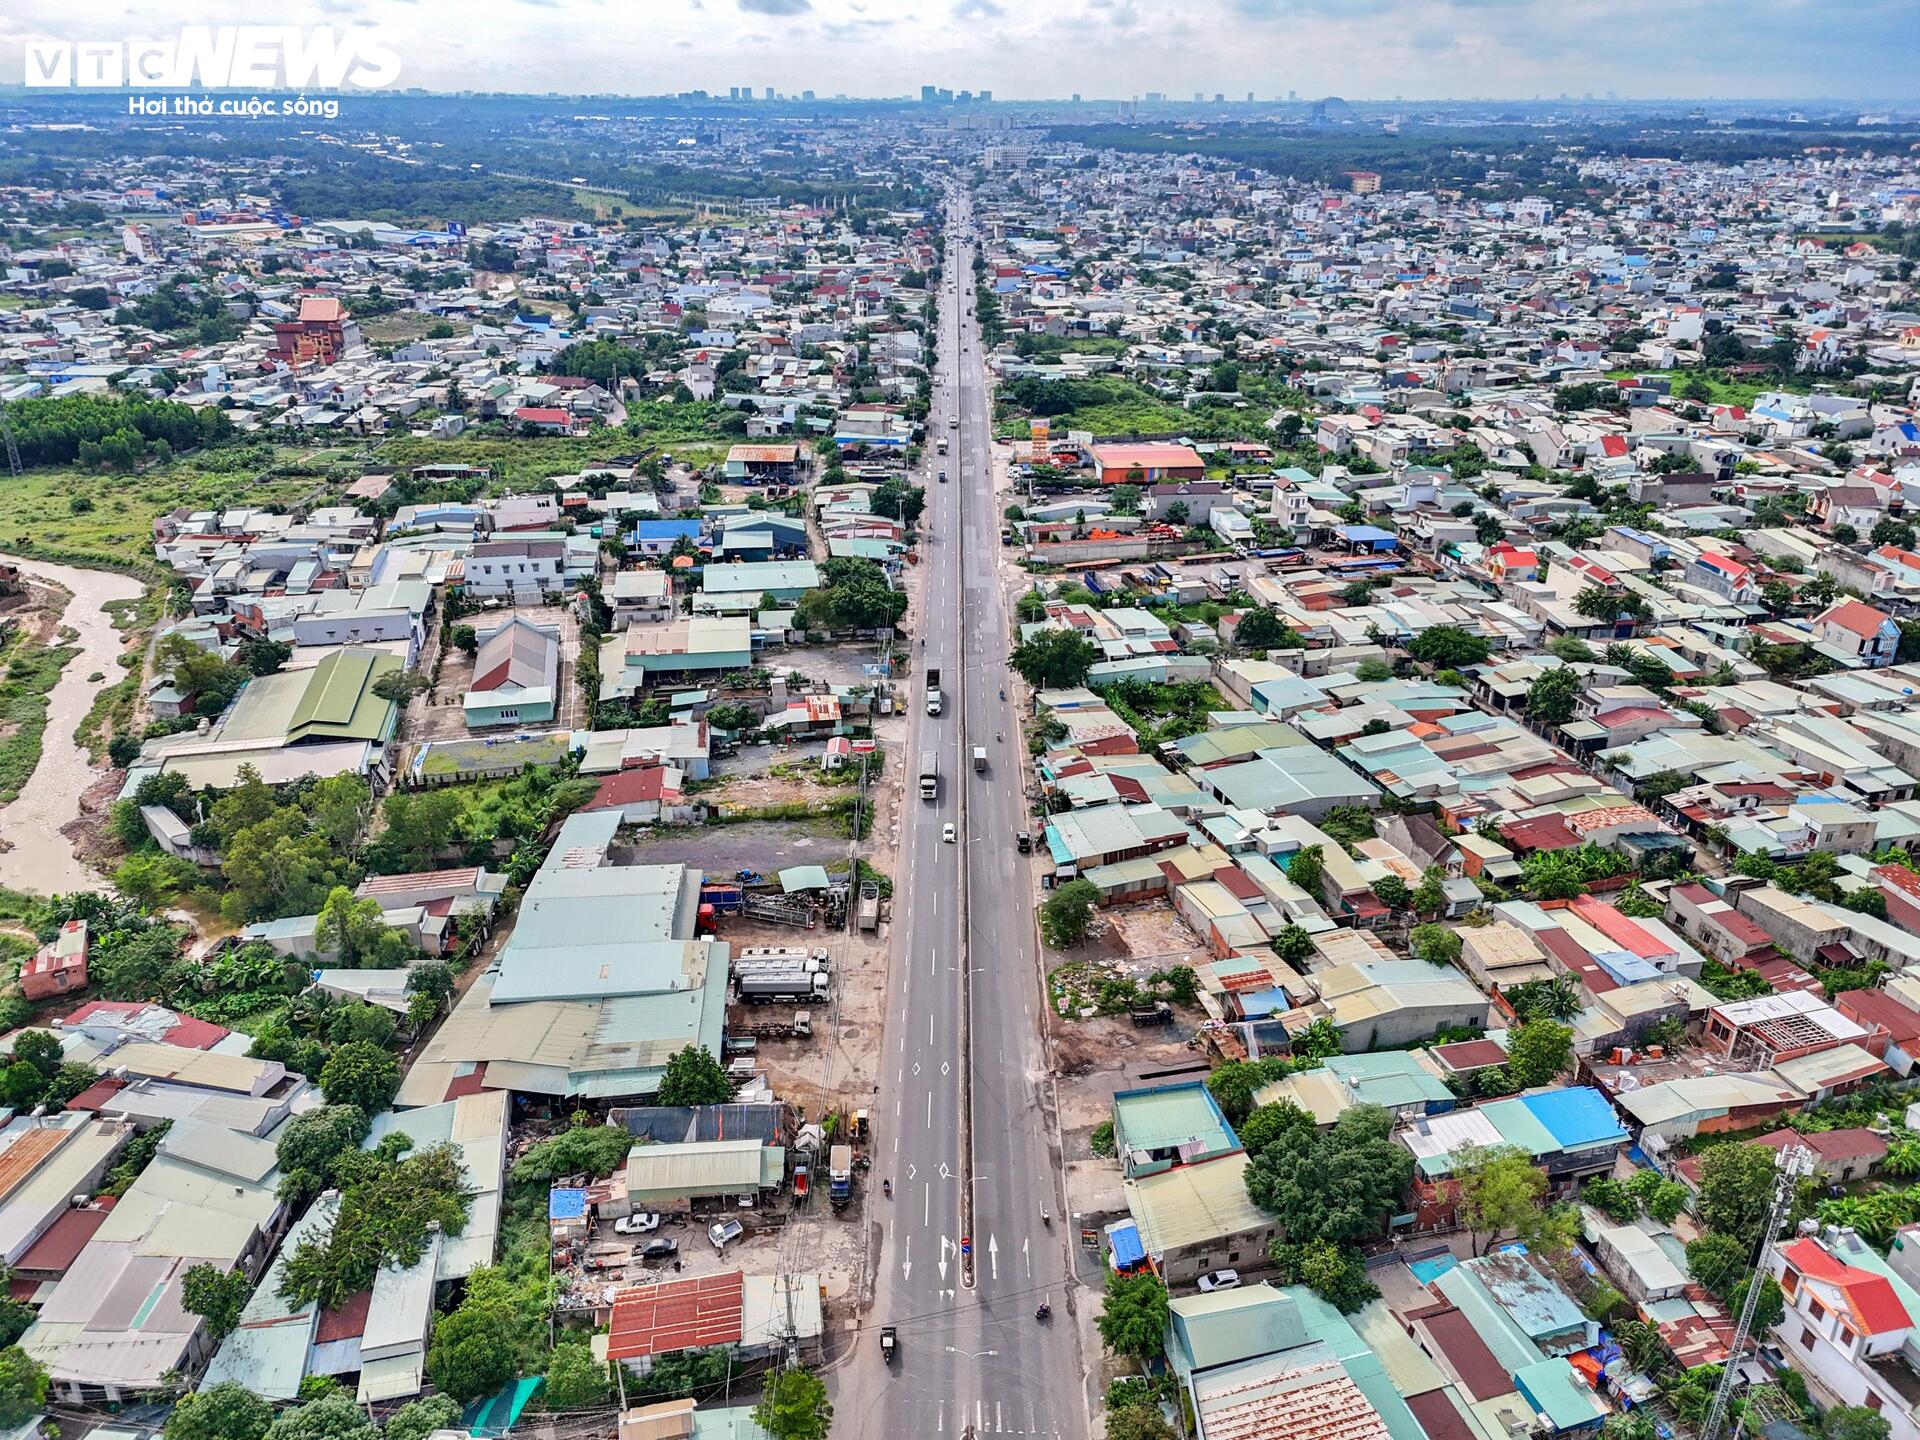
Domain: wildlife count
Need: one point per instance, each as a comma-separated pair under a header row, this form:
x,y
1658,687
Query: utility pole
x,y
1795,1162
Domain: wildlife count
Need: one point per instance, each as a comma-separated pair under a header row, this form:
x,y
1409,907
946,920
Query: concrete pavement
x,y
963,1009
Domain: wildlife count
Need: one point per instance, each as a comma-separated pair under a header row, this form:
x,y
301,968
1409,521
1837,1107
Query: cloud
x,y
962,9
776,7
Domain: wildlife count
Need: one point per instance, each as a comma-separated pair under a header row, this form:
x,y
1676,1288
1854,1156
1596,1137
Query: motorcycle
x,y
886,1188
1042,1310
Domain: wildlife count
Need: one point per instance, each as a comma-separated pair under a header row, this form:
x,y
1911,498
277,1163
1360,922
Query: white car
x,y
948,833
637,1224
1219,1280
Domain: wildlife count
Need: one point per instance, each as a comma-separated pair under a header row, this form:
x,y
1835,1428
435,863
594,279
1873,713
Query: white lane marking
x,y
929,1029
1026,1254
929,1109
926,1211
906,1265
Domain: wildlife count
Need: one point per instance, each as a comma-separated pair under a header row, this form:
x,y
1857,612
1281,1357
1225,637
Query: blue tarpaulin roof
x,y
566,1204
1576,1116
1125,1242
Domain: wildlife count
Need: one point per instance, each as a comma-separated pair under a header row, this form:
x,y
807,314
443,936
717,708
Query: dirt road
x,y
39,858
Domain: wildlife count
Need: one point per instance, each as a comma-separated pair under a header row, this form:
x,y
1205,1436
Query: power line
x,y
1795,1162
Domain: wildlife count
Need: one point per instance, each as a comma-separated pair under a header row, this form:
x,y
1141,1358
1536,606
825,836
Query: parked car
x,y
638,1223
724,1232
662,1249
1219,1280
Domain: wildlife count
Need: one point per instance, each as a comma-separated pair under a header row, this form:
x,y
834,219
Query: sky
x,y
1854,50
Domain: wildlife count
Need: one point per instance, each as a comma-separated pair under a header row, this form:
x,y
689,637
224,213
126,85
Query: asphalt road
x,y
973,1359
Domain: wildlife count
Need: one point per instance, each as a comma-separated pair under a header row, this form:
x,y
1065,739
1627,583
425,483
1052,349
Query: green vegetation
x,y
1159,713
28,672
694,1077
581,1150
388,1204
1066,915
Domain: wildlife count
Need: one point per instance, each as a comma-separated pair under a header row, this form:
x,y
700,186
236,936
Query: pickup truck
x,y
934,698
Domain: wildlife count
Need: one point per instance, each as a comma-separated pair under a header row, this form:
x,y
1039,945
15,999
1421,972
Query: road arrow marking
x,y
906,1265
945,1246
993,1255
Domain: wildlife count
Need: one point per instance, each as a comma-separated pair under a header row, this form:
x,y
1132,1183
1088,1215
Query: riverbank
x,y
39,858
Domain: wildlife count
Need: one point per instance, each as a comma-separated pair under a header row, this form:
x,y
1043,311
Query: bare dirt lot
x,y
439,715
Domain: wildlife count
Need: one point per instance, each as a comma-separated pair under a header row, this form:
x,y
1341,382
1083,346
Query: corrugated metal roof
x,y
677,1315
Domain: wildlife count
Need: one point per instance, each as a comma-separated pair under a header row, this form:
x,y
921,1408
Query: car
x,y
948,833
1219,1280
638,1223
953,422
662,1249
943,477
724,1232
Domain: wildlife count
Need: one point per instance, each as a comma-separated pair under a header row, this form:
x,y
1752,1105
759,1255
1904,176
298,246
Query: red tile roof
x,y
347,1321
1870,1298
1854,616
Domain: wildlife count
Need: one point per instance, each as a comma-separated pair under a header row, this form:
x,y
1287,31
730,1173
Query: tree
x,y
575,1380
1855,1422
1293,945
1138,1422
432,978
581,1150
693,1077
1317,1040
1133,1320
1435,944
390,1202
794,1406
310,1144
1055,658
227,1411
1268,1123
1232,1085
1261,628
1500,1193
332,1416
1892,532
217,1296
354,932
1306,868
1336,1273
1551,697
1126,499
1448,647
1630,1424
473,1349
1067,914
1537,1052
1178,513
1736,1191
1392,892
418,1419
1337,1185
362,1074
420,825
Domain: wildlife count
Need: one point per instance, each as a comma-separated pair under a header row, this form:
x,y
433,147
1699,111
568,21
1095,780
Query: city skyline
x,y
1381,50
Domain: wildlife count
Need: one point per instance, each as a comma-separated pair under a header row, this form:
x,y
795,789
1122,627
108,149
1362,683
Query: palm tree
x,y
1903,1158
1642,1346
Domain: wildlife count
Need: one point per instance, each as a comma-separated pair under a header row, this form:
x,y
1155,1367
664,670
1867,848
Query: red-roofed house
x,y
60,968
1871,636
1724,576
646,795
1148,464
110,1021
547,419
1885,1015
1510,562
1845,1324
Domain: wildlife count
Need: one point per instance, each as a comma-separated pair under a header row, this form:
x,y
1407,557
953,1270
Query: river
x,y
40,858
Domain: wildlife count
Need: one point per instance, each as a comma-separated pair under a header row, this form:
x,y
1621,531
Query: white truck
x,y
934,698
929,776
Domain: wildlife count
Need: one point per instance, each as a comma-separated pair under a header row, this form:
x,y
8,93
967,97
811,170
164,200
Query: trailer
x,y
788,989
800,1027
869,906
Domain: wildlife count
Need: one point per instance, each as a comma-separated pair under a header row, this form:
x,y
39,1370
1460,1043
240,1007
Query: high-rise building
x,y
768,94
928,94
986,97
1076,97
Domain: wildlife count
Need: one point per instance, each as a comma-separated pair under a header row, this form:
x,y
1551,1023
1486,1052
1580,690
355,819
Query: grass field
x,y
38,508
1725,391
27,672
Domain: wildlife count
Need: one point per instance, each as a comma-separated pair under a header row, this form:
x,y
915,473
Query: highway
x,y
973,1359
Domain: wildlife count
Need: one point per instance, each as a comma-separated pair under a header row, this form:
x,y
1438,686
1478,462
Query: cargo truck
x,y
783,989
929,776
840,1175
979,758
934,698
